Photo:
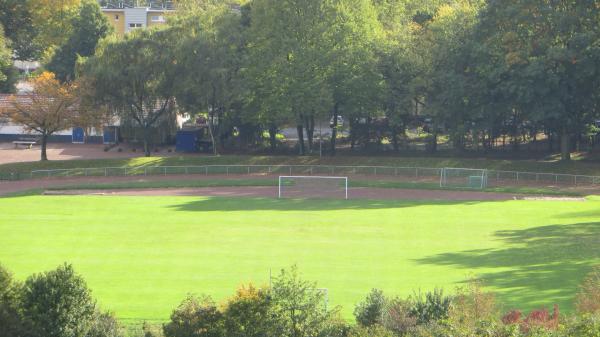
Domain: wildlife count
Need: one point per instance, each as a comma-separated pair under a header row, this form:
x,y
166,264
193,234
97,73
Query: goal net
x,y
463,178
313,187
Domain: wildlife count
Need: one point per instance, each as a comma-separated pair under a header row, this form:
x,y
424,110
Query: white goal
x,y
464,178
313,187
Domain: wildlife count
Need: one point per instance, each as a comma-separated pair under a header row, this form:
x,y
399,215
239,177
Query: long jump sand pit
x,y
271,192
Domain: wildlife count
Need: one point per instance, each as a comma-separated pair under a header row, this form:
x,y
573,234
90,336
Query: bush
x,y
196,317
431,308
587,300
471,306
398,317
536,322
299,306
11,322
584,326
370,331
58,304
105,325
370,311
247,314
151,330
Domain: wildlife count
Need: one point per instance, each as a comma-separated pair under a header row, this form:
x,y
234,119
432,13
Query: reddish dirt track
x,y
251,191
7,187
271,192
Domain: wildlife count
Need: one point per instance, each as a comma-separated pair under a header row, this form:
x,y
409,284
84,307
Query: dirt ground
x,y
8,187
66,151
271,192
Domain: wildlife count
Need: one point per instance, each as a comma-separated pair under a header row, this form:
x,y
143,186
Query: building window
x,y
158,18
135,25
116,17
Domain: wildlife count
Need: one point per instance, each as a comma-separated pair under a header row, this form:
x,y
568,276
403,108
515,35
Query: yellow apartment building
x,y
125,19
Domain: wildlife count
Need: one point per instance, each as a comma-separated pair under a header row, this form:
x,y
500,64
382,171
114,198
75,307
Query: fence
x,y
416,174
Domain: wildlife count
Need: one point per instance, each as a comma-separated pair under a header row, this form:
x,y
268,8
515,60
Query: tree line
x,y
58,303
479,70
472,72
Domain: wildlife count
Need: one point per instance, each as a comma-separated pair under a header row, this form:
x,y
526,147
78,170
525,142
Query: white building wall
x,y
135,16
20,130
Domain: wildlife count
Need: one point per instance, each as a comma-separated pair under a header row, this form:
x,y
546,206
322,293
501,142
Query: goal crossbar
x,y
344,179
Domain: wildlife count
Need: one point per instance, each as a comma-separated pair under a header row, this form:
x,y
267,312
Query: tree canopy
x,y
477,71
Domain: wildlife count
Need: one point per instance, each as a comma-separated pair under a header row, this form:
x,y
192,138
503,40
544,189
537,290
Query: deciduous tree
x,y
58,304
88,27
49,108
134,75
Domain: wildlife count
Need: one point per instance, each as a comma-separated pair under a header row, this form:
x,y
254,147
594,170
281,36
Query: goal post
x,y
313,187
464,178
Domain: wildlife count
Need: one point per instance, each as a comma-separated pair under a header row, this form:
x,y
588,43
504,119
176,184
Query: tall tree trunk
x,y
334,128
44,156
212,134
309,122
146,136
300,130
434,140
565,149
273,137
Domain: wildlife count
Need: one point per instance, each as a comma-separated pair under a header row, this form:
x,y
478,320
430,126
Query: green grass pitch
x,y
142,255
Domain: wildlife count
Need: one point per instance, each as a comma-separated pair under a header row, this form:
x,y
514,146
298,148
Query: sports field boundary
x,y
495,177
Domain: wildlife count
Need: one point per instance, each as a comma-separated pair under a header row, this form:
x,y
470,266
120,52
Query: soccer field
x,y
142,255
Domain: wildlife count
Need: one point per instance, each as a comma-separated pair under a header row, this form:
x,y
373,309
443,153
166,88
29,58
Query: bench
x,y
28,143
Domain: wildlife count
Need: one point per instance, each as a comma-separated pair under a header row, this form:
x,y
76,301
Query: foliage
x,y
371,331
536,320
53,22
11,320
8,73
583,326
49,108
208,62
398,317
300,307
135,77
434,306
471,71
248,313
17,19
105,324
58,304
587,300
471,305
88,27
196,317
371,310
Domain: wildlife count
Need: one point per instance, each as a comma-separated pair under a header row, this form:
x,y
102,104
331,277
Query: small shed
x,y
110,135
188,140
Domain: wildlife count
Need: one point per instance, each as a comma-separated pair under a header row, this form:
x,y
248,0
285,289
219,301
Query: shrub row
x,y
58,303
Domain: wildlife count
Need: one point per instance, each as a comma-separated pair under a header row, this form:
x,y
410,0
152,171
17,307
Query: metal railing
x,y
495,177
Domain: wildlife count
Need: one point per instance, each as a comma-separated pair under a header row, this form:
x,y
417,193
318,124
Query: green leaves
x,y
58,304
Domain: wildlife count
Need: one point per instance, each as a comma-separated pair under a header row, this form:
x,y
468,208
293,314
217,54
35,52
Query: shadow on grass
x,y
538,266
220,204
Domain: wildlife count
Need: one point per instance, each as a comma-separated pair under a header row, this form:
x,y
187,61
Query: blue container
x,y
109,135
187,140
78,135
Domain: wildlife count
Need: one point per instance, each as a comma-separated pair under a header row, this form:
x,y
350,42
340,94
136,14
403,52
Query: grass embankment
x,y
142,255
552,166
